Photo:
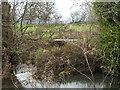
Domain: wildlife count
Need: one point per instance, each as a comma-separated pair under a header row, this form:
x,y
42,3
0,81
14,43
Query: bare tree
x,y
45,10
31,13
78,17
79,14
56,18
91,16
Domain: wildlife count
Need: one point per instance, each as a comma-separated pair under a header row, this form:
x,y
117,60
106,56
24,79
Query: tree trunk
x,y
7,41
6,26
7,35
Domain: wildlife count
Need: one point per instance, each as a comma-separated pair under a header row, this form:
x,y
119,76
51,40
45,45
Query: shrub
x,y
53,64
109,18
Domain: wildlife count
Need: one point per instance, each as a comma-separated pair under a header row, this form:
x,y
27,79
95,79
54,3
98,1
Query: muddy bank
x,y
11,84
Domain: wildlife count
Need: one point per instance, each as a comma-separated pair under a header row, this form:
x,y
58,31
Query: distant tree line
x,y
42,12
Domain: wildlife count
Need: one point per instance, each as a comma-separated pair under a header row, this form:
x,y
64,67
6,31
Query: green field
x,y
33,27
46,30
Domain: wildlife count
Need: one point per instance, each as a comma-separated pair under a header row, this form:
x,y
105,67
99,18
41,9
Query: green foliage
x,y
110,35
110,48
108,12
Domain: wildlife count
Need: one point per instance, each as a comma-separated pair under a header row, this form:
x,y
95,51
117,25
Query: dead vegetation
x,y
54,62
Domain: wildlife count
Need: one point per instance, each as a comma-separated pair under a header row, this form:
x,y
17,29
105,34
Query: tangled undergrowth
x,y
54,62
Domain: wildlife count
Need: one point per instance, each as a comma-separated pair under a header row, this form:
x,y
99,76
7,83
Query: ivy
x,y
109,20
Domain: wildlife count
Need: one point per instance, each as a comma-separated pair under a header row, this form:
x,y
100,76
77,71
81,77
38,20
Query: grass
x,y
57,29
83,27
48,27
32,27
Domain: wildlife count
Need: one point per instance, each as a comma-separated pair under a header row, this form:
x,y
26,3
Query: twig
x,y
111,82
86,59
89,68
79,71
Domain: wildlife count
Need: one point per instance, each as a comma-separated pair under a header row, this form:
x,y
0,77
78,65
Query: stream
x,y
24,74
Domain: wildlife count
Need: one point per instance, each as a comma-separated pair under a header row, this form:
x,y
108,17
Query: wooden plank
x,y
65,39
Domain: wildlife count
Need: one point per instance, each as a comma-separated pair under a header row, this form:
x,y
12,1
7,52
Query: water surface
x,y
24,74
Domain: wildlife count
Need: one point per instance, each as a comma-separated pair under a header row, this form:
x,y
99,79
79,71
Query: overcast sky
x,y
64,6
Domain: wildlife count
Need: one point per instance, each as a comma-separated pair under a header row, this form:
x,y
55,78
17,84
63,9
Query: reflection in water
x,y
24,74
